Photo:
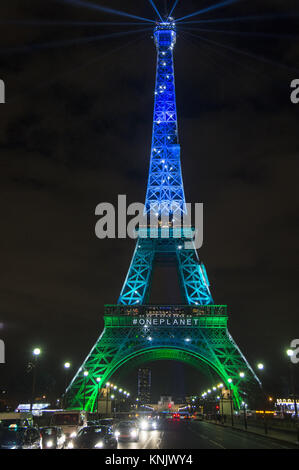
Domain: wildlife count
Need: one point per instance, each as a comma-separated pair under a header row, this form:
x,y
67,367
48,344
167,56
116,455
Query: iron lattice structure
x,y
196,332
165,196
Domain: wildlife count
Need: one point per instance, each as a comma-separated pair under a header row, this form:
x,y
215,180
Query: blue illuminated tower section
x,y
165,191
165,199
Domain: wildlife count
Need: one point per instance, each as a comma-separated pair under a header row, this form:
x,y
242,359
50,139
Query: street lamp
x,y
260,366
85,373
245,414
66,366
36,352
229,380
290,353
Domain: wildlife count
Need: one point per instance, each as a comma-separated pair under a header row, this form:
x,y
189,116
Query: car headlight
x,y
155,425
144,425
117,434
70,445
49,443
133,433
74,434
99,445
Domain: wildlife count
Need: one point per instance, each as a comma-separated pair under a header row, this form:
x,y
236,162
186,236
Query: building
x,y
166,404
144,385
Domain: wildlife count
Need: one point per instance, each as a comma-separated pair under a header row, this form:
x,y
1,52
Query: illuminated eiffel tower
x,y
136,332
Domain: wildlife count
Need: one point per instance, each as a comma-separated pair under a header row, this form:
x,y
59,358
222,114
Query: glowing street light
x,y
66,366
260,366
85,373
36,352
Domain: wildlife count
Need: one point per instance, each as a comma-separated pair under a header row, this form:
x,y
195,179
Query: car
x,y
20,419
148,424
106,422
20,437
94,437
127,431
176,417
70,421
52,437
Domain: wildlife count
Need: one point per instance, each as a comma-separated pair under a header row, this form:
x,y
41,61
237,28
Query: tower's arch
x,y
165,353
195,336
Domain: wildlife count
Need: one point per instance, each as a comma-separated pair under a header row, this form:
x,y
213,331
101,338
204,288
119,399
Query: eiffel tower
x,y
135,332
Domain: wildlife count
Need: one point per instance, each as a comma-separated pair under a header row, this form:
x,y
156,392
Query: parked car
x,y
127,430
52,437
18,437
94,437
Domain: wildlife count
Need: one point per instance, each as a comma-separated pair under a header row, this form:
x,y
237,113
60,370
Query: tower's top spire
x,y
165,33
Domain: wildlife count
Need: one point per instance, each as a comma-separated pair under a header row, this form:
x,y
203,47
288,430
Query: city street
x,y
200,435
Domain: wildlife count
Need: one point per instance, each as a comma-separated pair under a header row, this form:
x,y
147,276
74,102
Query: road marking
x,y
216,444
148,441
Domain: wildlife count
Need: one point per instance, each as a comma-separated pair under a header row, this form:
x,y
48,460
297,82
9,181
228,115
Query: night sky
x,y
76,131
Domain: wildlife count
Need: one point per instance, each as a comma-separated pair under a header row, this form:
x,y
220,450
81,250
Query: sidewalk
x,y
285,436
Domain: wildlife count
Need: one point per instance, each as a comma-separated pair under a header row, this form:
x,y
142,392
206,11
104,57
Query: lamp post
x,y
98,394
290,353
114,405
107,396
66,366
231,400
85,375
36,352
245,415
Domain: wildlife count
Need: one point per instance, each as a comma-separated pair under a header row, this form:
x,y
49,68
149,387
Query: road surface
x,y
200,435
